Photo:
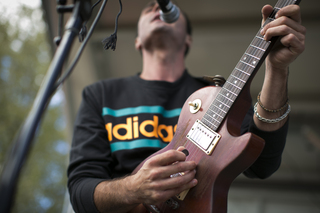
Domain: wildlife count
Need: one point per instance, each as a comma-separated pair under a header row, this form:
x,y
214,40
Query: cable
x,y
80,50
111,41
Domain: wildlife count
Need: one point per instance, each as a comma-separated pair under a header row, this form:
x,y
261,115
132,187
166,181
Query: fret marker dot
x,y
254,62
227,94
220,105
235,82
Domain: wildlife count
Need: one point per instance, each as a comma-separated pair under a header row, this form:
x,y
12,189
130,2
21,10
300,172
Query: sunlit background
x,y
25,55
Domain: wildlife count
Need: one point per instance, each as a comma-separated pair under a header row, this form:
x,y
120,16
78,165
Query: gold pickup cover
x,y
203,137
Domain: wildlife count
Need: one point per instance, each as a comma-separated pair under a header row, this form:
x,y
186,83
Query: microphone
x,y
168,11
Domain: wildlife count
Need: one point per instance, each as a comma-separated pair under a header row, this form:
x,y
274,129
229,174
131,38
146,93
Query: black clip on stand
x,y
23,141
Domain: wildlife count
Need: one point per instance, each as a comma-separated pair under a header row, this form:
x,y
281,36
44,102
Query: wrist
x,y
276,74
132,197
274,71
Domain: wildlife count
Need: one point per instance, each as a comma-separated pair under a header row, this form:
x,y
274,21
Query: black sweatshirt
x,y
122,121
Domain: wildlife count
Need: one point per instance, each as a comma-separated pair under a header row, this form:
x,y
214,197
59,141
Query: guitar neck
x,y
244,71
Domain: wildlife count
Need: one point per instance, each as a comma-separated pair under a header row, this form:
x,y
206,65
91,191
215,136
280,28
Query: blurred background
x,y
222,30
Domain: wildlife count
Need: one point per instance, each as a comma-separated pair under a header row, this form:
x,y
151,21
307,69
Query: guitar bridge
x,y
203,137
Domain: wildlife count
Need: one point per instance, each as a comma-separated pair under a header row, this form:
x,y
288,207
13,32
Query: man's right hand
x,y
152,184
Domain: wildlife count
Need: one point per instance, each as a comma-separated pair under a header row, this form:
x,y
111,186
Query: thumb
x,y
266,11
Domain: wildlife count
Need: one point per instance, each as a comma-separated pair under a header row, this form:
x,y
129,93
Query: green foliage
x,y
24,60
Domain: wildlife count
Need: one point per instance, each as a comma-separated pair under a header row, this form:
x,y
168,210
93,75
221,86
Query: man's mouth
x,y
156,17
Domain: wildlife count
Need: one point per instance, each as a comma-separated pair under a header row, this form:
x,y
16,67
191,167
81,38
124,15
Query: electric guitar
x,y
209,128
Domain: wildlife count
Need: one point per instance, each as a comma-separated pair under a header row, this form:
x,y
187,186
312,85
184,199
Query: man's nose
x,y
156,7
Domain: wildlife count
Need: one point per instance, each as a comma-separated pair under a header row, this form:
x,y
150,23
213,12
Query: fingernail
x,y
277,15
262,31
185,151
194,182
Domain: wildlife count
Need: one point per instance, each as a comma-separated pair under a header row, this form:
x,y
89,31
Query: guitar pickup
x,y
203,137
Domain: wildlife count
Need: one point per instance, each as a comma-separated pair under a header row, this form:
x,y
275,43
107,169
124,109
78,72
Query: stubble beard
x,y
160,39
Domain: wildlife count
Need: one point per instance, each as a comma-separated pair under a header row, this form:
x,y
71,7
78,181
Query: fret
x,y
281,4
241,74
230,101
235,81
254,51
220,106
247,64
228,94
215,116
274,12
250,60
252,56
237,78
258,36
234,85
214,127
244,69
268,20
217,110
224,101
210,124
232,88
260,43
257,48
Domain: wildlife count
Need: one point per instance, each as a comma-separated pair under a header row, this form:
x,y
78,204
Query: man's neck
x,y
162,66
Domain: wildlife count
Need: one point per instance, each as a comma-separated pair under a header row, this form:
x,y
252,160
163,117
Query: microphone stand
x,y
23,140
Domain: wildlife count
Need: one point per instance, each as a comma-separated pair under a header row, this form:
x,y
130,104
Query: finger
x,y
173,170
167,158
293,44
283,26
266,11
166,188
281,30
160,196
182,185
174,182
184,150
179,167
292,11
180,148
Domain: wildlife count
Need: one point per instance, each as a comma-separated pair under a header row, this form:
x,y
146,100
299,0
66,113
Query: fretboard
x,y
248,65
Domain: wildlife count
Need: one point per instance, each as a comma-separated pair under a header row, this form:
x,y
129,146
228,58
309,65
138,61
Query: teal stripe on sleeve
x,y
137,144
141,109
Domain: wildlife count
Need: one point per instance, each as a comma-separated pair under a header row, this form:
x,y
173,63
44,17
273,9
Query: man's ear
x,y
137,44
188,41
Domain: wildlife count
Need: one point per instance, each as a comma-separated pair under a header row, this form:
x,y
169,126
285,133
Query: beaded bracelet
x,y
271,110
275,120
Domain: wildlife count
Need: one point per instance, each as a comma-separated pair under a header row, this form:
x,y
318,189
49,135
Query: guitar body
x,y
232,155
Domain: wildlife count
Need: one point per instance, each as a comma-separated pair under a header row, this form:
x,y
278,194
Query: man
x,y
106,148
